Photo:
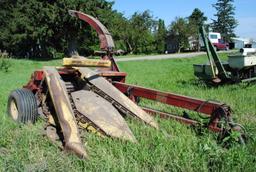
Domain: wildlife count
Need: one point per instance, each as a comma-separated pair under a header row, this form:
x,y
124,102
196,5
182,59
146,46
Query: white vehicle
x,y
217,41
214,37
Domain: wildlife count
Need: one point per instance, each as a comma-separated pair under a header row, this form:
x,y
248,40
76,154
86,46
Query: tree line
x,y
33,28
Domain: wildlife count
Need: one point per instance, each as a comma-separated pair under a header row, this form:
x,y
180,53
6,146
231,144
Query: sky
x,y
167,10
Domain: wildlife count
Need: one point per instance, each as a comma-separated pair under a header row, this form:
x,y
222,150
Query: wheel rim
x,y
14,110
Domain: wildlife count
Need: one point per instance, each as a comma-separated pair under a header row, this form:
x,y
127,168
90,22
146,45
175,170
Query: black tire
x,y
22,106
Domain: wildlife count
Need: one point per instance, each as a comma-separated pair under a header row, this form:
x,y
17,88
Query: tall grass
x,y
174,147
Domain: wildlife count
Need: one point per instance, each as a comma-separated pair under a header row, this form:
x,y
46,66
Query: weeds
x,y
5,62
178,148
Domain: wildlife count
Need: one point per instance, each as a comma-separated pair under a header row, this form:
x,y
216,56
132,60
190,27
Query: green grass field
x,y
174,147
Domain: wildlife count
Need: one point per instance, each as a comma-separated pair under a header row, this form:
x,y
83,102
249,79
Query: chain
x,y
116,104
81,119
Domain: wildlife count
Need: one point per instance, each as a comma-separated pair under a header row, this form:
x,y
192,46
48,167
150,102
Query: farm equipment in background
x,y
92,95
240,67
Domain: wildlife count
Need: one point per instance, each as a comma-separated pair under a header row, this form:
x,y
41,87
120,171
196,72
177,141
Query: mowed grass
x,y
174,147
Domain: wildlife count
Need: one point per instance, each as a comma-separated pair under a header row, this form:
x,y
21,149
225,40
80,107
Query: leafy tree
x,y
225,22
160,37
196,19
141,29
120,29
180,29
36,28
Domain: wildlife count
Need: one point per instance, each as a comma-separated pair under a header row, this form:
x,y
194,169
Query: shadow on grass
x,y
41,59
192,82
206,85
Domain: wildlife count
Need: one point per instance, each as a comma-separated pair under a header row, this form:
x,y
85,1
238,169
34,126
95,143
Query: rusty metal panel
x,y
86,62
106,41
102,114
117,98
64,111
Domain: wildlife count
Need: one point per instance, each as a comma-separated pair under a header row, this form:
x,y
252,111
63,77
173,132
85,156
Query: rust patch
x,y
161,97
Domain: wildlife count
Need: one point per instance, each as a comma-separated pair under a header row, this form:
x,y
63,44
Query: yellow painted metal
x,y
90,128
118,97
51,120
64,111
86,62
102,114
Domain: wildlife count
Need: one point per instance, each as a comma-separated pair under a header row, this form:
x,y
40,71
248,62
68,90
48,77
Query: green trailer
x,y
240,67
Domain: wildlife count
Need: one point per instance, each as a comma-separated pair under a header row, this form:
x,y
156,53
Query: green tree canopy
x,y
225,22
196,19
180,29
141,32
160,37
36,28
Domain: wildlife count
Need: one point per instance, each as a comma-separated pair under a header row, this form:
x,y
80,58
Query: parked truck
x,y
217,41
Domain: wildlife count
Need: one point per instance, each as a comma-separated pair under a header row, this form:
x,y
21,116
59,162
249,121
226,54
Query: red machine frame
x,y
214,110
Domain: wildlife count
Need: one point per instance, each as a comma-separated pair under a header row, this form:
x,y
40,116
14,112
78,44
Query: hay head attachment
x,y
83,97
75,97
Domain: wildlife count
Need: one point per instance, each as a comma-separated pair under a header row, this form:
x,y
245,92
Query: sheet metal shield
x,y
64,111
102,114
106,87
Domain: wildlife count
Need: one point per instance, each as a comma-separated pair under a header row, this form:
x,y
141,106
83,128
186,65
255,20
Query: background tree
x,y
196,19
160,37
34,28
44,29
120,28
141,28
225,22
180,29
